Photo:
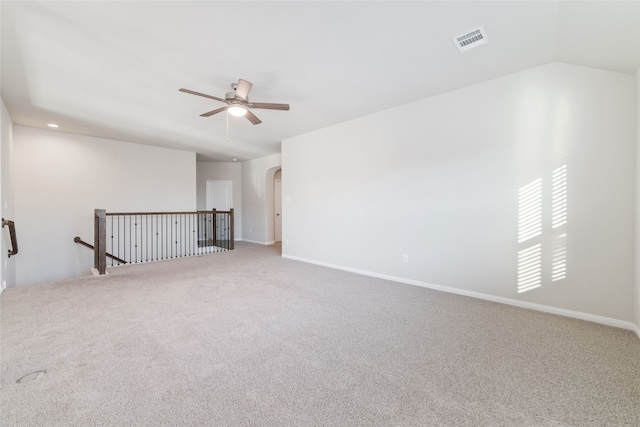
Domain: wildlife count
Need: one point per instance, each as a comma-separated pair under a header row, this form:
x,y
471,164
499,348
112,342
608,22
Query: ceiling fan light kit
x,y
236,110
238,102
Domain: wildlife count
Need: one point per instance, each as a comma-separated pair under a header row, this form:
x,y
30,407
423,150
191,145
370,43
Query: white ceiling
x,y
113,69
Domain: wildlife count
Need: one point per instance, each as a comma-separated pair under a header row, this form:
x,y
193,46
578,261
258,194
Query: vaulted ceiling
x,y
113,69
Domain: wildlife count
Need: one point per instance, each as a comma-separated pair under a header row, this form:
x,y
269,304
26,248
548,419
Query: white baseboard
x,y
258,243
503,300
636,329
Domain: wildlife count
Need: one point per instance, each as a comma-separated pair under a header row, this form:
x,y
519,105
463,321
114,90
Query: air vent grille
x,y
470,39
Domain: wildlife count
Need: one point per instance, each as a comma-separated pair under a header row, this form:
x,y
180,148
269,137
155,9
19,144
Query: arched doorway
x,y
271,211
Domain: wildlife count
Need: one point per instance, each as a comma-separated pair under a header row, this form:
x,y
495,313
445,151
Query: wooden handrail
x,y
12,235
169,213
90,246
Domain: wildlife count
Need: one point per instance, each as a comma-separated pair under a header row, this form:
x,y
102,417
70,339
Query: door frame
x,y
277,205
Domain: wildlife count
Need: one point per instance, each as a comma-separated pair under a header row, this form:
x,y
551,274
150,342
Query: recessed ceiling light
x,y
53,125
235,160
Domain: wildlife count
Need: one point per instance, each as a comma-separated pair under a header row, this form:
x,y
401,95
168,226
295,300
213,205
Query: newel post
x,y
214,227
100,241
231,245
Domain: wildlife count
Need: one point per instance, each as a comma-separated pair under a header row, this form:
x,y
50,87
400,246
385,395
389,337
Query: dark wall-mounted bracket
x,y
12,234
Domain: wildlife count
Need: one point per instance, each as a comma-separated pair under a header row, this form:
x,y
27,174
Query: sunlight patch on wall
x,y
530,211
530,268
542,235
559,197
559,258
558,222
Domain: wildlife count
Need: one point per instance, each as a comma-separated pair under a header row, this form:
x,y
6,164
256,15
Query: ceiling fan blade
x,y
192,92
243,88
269,106
252,118
211,113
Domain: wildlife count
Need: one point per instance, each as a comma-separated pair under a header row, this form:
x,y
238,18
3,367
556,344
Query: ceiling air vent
x,y
470,39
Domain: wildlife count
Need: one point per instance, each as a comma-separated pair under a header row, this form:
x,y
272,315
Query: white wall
x,y
224,171
637,248
438,180
257,198
7,265
61,178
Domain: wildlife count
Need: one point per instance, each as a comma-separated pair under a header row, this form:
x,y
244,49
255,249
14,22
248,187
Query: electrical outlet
x,y
4,284
286,242
405,259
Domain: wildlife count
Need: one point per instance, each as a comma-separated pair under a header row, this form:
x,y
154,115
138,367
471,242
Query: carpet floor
x,y
247,338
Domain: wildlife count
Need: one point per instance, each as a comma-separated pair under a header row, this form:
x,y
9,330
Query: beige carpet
x,y
246,338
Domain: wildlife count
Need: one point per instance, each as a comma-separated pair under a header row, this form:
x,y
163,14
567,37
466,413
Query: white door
x,y
219,197
277,206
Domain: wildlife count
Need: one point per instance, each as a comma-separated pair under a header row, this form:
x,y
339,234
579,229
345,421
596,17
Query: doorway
x,y
219,197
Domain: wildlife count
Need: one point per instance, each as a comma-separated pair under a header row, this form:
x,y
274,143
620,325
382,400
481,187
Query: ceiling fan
x,y
238,103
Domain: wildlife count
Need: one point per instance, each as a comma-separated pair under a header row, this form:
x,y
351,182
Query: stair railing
x,y
135,237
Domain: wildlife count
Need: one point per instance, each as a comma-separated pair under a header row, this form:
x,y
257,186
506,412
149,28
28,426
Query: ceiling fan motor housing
x,y
230,96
